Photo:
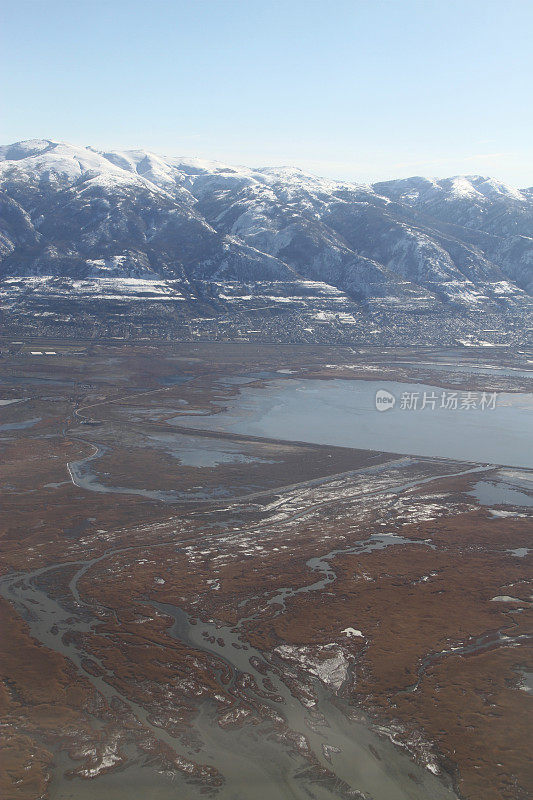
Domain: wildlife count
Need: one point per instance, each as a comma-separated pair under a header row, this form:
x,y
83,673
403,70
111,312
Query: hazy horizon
x,y
351,90
257,166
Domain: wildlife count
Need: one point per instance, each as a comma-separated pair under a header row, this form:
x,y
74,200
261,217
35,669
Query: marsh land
x,y
225,573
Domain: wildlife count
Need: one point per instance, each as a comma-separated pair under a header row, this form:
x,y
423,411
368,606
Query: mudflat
x,y
195,602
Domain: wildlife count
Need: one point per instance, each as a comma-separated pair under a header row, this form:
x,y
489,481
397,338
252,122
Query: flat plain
x,y
191,611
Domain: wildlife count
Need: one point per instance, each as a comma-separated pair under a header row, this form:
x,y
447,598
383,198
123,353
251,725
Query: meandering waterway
x,y
255,766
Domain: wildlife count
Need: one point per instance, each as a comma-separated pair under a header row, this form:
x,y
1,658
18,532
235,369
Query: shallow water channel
x,y
254,764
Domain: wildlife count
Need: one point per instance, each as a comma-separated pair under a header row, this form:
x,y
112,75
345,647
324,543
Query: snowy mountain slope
x,y
74,216
470,201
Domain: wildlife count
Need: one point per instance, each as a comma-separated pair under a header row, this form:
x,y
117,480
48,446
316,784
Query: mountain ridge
x,y
303,253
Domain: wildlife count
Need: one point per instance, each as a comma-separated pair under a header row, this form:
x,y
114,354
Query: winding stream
x,y
255,766
247,757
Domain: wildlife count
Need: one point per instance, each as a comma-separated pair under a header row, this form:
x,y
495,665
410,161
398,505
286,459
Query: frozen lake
x,y
343,412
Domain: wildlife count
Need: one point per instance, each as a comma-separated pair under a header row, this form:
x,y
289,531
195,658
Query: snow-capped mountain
x,y
133,242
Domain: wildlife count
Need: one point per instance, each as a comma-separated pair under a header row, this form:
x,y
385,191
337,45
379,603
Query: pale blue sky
x,y
343,88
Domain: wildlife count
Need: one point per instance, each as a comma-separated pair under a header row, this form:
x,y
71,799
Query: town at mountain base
x,y
131,244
